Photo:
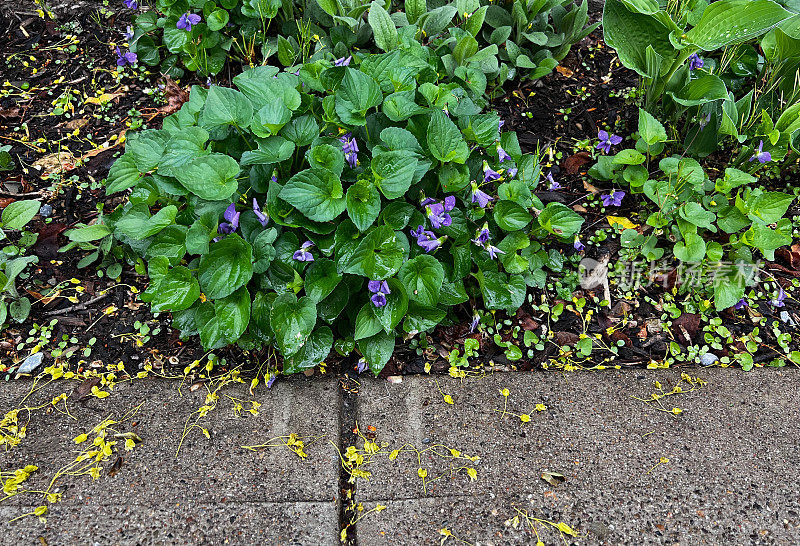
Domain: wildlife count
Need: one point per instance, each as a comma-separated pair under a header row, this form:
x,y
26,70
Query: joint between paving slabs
x,y
348,415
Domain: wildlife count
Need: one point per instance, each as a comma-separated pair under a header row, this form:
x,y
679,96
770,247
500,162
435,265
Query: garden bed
x,y
66,119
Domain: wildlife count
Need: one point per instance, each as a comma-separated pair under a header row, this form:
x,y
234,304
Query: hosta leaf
x,y
733,21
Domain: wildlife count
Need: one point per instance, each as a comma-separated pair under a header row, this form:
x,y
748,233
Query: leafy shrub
x,y
523,38
341,203
711,223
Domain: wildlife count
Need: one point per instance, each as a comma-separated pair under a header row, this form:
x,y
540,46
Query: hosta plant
x,y
341,205
664,42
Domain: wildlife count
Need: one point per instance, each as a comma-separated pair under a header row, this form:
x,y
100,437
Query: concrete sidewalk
x,y
724,471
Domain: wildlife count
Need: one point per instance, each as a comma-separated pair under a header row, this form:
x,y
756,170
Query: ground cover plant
x,y
267,191
476,40
537,225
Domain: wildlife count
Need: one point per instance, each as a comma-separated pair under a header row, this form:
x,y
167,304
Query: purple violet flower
x,y
493,251
130,4
437,211
578,245
501,153
187,20
263,218
489,174
741,304
427,239
344,61
512,172
613,199
704,121
695,61
271,380
350,149
379,291
361,367
762,156
606,141
500,125
474,324
480,197
553,184
232,217
482,237
778,302
417,233
303,255
128,34
126,58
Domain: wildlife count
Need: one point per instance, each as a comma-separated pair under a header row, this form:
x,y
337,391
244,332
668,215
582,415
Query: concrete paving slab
x,y
206,471
732,475
178,523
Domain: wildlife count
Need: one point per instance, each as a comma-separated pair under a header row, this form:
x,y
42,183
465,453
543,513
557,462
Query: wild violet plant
x,y
726,221
476,39
335,206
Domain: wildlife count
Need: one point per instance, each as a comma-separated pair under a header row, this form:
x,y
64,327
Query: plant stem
x,y
658,90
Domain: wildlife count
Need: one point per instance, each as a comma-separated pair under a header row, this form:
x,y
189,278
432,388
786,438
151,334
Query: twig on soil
x,y
76,307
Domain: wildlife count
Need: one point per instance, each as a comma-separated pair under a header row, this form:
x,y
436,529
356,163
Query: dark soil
x,y
558,111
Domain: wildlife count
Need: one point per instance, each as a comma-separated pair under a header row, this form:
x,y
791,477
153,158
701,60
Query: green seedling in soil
x,y
471,346
141,335
525,520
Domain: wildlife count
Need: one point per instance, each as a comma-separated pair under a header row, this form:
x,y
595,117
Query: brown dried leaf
x,y
115,467
55,163
685,328
574,163
175,96
9,113
566,338
564,71
590,188
76,123
83,390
